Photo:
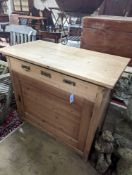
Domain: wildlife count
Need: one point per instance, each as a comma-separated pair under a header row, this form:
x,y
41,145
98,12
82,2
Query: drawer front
x,y
58,80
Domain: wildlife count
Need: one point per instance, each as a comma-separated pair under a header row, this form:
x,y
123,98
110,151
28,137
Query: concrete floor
x,y
29,151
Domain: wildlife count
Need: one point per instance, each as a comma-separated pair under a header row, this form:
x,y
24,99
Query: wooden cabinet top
x,y
110,18
114,23
98,68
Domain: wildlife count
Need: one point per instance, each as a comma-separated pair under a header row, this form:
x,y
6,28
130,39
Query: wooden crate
x,y
112,35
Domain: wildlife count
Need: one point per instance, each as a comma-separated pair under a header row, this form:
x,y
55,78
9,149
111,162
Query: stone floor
x,y
28,151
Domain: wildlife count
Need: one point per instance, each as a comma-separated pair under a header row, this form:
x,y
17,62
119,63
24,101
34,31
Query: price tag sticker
x,y
72,98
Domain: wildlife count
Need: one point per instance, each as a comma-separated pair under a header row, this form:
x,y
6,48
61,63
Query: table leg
x,y
0,28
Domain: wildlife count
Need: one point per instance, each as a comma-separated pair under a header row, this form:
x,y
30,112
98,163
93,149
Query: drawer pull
x,y
19,98
26,68
46,74
69,82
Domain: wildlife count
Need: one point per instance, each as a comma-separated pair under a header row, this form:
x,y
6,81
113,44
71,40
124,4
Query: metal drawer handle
x,y
26,68
46,74
69,82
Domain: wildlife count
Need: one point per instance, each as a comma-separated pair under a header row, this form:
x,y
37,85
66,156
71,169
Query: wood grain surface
x,y
98,68
44,77
106,34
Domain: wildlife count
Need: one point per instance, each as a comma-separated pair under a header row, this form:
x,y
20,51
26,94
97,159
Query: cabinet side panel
x,y
17,90
99,111
86,115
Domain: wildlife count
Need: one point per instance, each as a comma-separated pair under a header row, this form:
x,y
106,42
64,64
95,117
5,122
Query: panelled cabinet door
x,y
49,108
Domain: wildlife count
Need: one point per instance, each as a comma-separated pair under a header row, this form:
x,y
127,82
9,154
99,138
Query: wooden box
x,y
46,76
112,35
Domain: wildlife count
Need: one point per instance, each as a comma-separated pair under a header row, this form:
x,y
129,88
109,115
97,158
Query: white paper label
x,y
72,98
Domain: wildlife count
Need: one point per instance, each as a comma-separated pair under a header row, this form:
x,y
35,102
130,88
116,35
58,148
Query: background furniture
x,y
21,34
108,34
34,23
48,21
30,21
62,90
54,12
14,19
3,26
45,21
4,18
56,36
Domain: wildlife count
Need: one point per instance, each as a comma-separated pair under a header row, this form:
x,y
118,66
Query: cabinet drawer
x,y
58,80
